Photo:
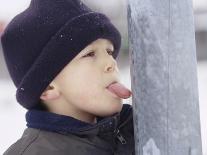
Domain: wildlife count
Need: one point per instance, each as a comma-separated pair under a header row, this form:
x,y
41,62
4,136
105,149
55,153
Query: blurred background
x,y
12,114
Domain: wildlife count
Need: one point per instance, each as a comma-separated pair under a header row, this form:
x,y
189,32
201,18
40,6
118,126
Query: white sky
x,y
9,8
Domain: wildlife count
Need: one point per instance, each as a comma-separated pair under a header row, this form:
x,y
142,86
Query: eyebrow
x,y
111,46
90,49
111,49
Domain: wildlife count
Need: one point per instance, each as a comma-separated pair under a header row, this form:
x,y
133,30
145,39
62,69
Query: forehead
x,y
101,42
105,43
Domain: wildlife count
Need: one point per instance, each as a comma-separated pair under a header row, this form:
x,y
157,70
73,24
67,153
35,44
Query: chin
x,y
116,108
120,108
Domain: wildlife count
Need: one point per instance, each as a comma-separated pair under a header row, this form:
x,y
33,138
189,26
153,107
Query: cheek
x,y
82,85
88,79
83,95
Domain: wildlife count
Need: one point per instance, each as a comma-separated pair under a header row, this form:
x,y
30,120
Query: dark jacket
x,y
53,134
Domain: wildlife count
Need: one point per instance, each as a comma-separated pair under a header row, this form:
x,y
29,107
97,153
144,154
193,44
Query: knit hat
x,y
40,41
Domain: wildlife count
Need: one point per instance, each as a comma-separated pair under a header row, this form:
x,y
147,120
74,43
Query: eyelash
x,y
111,53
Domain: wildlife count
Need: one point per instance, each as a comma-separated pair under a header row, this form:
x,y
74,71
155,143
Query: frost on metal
x,y
150,148
164,77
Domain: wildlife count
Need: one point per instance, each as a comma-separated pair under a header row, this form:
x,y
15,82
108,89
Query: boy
x,y
61,57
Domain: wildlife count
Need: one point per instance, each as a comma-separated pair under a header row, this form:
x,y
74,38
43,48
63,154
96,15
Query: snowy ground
x,y
12,115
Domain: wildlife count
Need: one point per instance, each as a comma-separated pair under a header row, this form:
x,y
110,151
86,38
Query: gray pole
x,y
164,77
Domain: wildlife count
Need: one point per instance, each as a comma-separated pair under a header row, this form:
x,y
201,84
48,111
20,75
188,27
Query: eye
x,y
110,52
90,54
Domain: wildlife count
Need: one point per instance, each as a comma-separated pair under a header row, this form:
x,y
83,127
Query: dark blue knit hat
x,y
39,42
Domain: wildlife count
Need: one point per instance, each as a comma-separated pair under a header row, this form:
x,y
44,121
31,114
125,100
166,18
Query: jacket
x,y
52,134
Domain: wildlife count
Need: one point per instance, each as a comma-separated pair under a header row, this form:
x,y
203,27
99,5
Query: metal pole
x,y
164,77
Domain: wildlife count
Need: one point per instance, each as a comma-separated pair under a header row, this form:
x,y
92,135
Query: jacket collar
x,y
66,125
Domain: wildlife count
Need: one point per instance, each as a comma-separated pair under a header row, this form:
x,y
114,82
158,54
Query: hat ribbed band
x,y
71,38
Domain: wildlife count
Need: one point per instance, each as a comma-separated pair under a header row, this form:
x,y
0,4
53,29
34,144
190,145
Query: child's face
x,y
82,83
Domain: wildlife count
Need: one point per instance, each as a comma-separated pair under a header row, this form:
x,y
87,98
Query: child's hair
x,y
41,106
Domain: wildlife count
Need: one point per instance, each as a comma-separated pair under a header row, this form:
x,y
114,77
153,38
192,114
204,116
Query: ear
x,y
50,93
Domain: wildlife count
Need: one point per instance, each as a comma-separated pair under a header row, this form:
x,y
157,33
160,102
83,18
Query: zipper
x,y
126,121
120,137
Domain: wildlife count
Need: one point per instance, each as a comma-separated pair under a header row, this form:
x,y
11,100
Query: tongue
x,y
120,90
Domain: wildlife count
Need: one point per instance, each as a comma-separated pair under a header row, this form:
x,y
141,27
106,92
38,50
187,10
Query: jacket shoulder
x,y
28,137
41,142
38,142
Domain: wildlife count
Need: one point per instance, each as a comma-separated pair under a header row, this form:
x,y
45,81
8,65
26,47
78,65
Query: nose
x,y
110,65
